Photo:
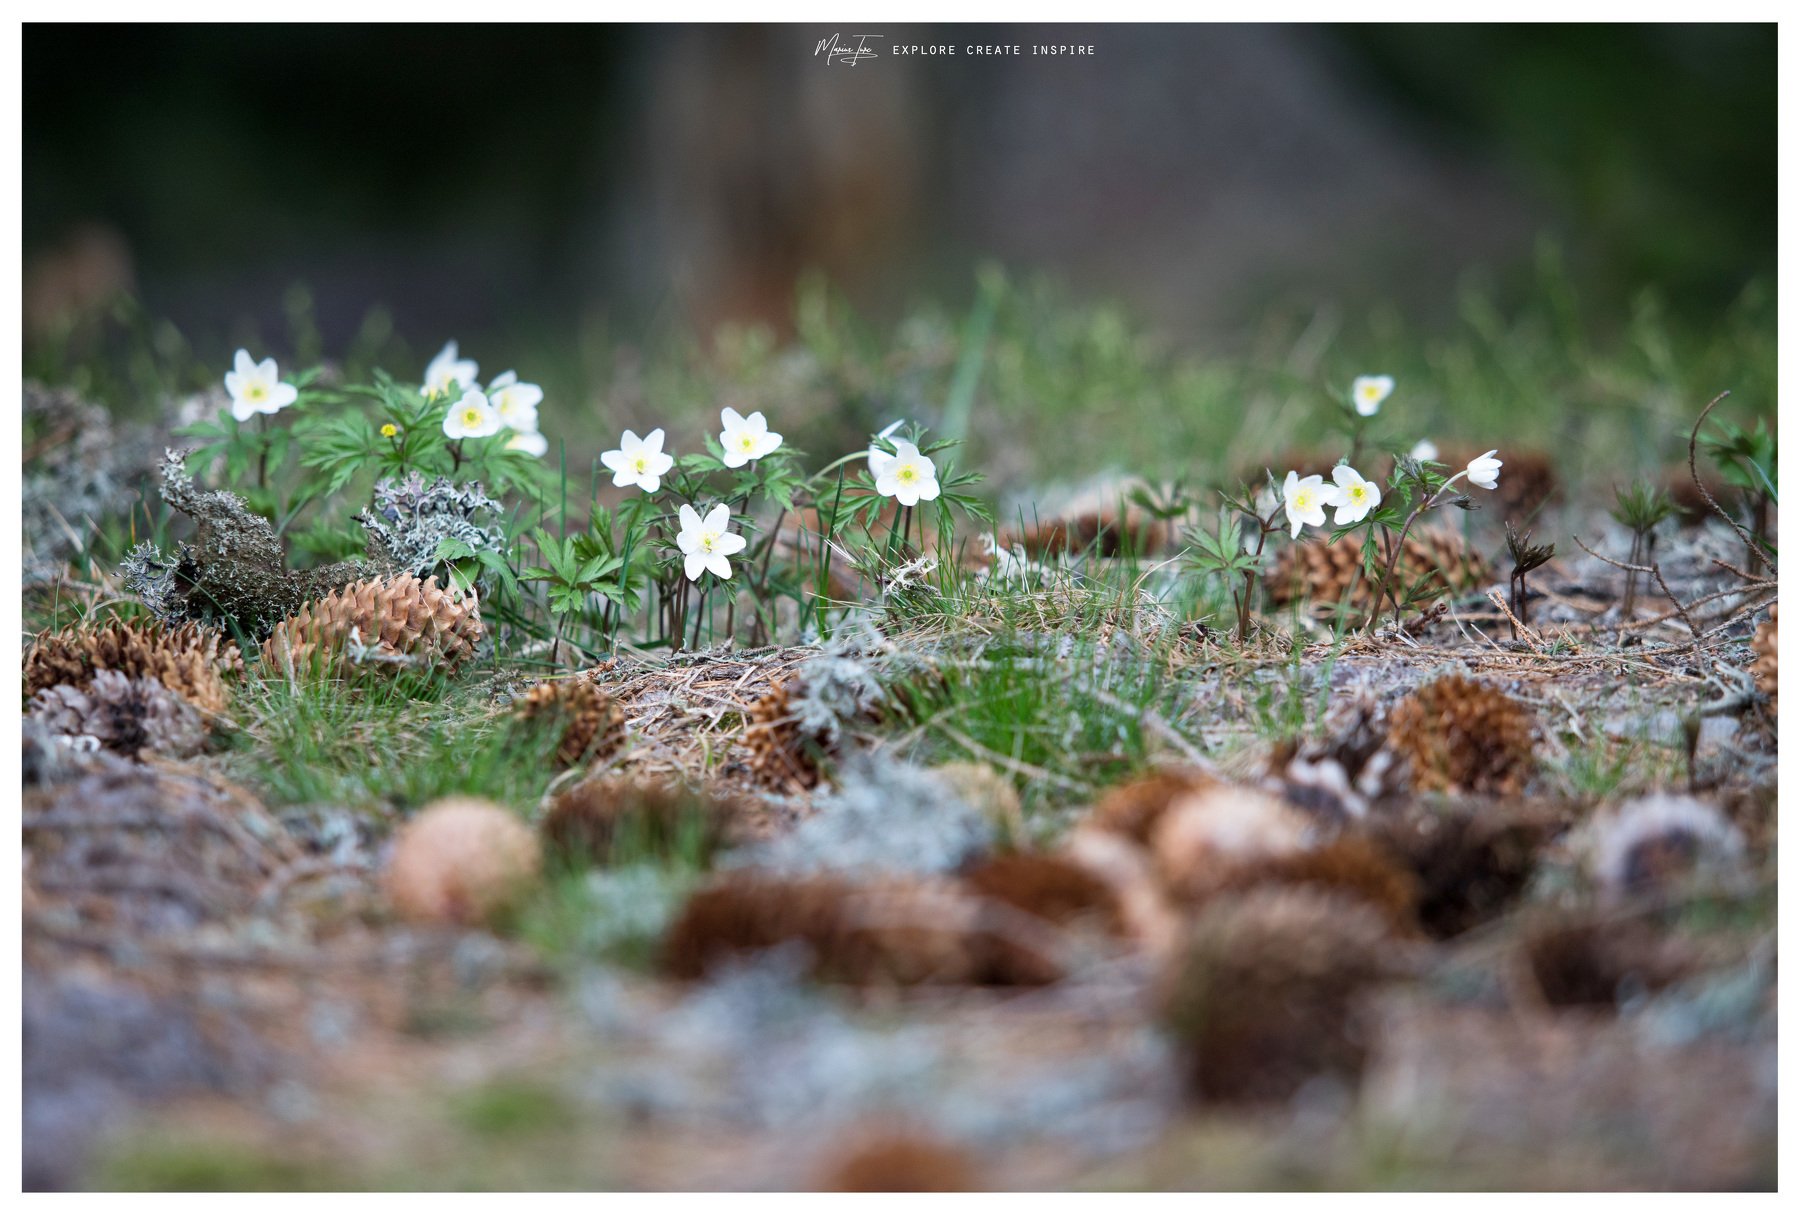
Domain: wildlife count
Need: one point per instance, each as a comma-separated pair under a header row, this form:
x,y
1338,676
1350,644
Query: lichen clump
x,y
408,522
234,575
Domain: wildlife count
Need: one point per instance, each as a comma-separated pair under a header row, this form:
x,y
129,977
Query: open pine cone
x,y
1464,736
1323,571
124,715
1264,994
888,932
191,661
382,622
1766,645
782,757
594,722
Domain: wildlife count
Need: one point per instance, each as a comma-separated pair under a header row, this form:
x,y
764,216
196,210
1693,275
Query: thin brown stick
x,y
1750,543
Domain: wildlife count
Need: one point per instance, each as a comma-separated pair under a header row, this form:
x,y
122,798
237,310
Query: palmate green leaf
x,y
699,463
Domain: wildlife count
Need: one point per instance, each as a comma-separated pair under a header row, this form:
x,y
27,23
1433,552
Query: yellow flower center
x,y
1304,499
640,464
471,418
256,392
389,431
1358,493
747,442
708,540
907,472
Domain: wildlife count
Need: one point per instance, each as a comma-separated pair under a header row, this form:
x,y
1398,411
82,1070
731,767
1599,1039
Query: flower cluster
x,y
507,405
1354,496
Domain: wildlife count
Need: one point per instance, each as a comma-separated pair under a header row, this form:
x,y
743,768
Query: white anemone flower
x,y
517,402
473,417
447,371
1425,449
1354,497
908,475
640,462
1305,499
745,439
706,543
1484,470
1367,392
528,441
257,388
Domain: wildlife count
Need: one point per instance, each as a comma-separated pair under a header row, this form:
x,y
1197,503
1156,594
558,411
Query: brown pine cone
x,y
782,758
191,661
1323,571
1051,887
1134,808
888,932
898,1161
1264,994
382,622
595,724
1767,647
1464,736
1350,866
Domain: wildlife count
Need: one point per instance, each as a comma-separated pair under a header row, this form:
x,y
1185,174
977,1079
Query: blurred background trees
x,y
476,180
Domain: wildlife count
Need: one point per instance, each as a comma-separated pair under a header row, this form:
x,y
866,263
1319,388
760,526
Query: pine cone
x,y
1350,866
595,724
1264,994
383,622
125,715
895,931
191,661
1463,736
898,1162
1470,866
1325,571
1204,837
1133,808
1576,962
782,758
1053,888
1767,647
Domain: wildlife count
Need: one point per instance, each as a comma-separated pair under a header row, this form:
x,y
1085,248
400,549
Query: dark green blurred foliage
x,y
1656,142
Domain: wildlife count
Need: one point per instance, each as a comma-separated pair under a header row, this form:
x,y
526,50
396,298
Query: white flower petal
x,y
718,565
529,442
718,518
694,565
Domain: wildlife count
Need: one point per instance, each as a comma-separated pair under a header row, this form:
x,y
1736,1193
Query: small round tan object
x,y
460,861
